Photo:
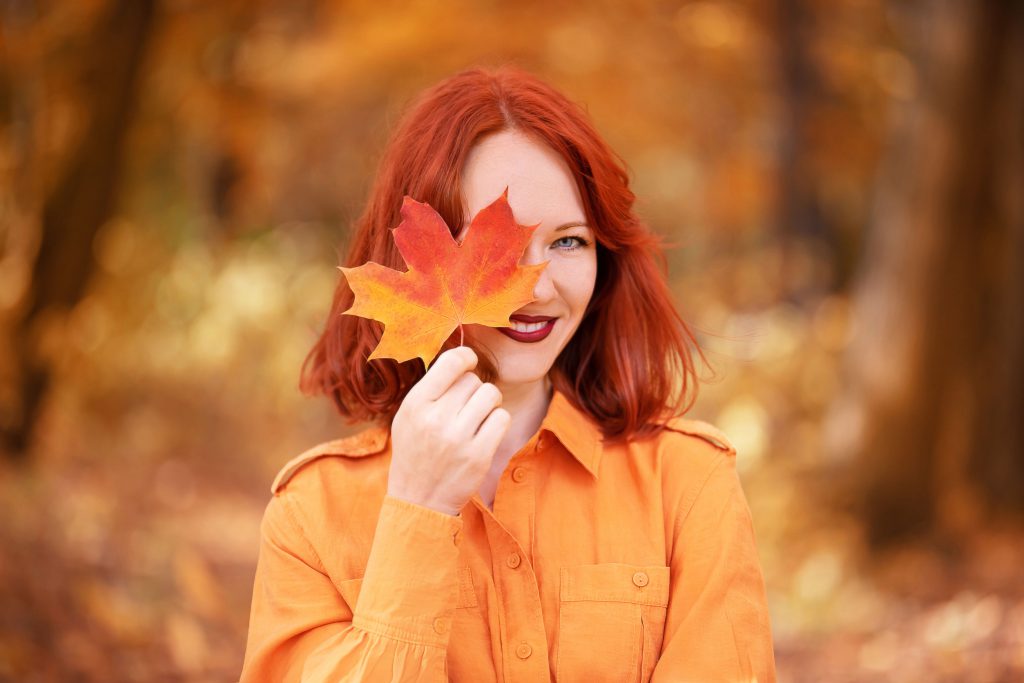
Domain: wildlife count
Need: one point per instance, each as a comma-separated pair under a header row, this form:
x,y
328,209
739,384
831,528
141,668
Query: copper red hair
x,y
630,364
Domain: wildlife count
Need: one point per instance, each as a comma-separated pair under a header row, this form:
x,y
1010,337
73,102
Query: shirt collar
x,y
575,430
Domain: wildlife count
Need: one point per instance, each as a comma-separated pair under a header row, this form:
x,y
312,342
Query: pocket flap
x,y
615,582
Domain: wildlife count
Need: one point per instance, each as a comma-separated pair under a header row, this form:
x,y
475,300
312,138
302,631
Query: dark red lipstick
x,y
529,337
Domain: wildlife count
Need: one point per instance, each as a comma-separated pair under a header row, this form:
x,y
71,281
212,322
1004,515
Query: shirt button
x,y
513,560
440,625
523,650
640,579
518,474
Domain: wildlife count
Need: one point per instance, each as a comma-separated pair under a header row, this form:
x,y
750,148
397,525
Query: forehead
x,y
541,188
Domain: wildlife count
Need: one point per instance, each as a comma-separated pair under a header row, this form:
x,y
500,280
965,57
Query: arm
x,y
302,629
717,626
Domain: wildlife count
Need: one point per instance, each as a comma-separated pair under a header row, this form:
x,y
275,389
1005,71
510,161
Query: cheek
x,y
582,286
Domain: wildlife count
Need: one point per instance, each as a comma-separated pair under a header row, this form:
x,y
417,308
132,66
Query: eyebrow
x,y
573,224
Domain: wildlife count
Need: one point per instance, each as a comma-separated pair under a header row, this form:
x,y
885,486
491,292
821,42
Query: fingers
x,y
460,392
484,400
493,430
448,367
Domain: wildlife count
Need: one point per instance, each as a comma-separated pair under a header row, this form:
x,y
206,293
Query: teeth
x,y
526,327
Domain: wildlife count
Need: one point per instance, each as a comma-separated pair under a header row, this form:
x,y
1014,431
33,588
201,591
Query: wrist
x,y
429,504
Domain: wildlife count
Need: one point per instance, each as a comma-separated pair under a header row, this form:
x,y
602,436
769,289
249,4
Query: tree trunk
x,y
81,201
935,370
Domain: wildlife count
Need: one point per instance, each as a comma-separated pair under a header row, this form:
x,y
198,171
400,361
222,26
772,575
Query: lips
x,y
529,337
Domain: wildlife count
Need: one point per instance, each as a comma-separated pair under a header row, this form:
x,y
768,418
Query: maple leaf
x,y
448,284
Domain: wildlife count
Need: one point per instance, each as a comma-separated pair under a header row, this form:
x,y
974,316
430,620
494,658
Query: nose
x,y
545,287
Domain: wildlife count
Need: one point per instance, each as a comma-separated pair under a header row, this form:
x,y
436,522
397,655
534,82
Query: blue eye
x,y
580,243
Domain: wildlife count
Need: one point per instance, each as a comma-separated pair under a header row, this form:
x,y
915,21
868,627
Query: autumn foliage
x,y
448,284
840,182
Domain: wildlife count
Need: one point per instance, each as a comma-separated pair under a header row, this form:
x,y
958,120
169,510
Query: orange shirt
x,y
599,562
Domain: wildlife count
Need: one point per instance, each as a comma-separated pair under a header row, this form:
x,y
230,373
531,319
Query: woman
x,y
532,507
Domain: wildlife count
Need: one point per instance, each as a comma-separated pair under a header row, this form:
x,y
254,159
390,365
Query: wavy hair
x,y
630,364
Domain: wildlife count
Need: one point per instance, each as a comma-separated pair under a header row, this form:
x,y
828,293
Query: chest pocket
x,y
611,621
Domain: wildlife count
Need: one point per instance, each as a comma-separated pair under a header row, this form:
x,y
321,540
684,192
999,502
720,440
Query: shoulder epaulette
x,y
367,442
703,430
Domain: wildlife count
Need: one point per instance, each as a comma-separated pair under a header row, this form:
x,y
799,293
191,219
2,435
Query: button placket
x,y
518,593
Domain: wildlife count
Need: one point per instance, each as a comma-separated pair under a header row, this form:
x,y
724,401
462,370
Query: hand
x,y
445,434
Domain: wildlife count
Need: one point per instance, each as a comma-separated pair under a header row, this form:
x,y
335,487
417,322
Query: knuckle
x,y
492,390
498,421
443,361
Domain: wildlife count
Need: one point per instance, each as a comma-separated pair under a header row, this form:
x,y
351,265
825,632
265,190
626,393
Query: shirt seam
x,y
686,514
293,519
392,632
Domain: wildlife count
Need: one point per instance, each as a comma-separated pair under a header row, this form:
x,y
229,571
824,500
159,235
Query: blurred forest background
x,y
843,181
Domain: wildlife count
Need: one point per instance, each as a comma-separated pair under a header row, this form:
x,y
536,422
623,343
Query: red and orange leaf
x,y
448,284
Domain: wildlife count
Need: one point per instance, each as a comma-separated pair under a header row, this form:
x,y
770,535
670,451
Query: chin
x,y
516,363
521,377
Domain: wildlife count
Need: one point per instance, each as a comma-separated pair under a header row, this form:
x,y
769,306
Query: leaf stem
x,y
461,335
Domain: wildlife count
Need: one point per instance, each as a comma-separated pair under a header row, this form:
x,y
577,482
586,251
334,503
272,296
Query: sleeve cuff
x,y
411,581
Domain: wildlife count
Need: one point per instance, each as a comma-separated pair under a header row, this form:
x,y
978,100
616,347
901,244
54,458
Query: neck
x,y
527,404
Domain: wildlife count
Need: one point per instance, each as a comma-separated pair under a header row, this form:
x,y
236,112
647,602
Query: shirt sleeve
x,y
301,628
717,626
